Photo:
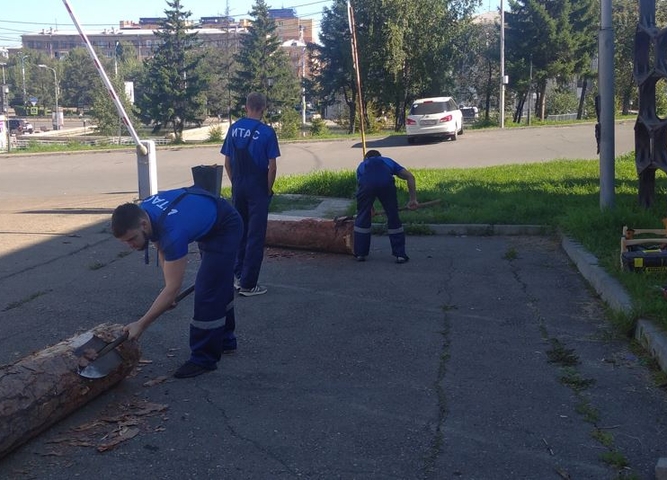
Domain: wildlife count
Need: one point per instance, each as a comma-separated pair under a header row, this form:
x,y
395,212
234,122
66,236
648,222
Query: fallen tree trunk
x,y
315,234
43,388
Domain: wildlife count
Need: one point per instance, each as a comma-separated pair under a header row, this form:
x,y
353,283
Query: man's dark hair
x,y
256,101
125,217
372,153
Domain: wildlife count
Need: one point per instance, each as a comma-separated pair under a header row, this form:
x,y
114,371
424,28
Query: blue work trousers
x,y
213,323
366,196
252,203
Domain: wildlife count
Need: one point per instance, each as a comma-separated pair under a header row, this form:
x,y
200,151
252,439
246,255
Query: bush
x,y
289,124
318,127
215,134
561,102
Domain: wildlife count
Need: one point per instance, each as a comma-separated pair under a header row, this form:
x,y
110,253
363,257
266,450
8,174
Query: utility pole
x,y
530,87
5,90
303,76
606,88
502,64
115,59
22,57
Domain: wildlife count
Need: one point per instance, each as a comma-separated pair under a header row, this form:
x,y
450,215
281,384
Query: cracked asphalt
x,y
482,358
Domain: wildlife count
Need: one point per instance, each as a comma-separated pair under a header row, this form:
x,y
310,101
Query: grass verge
x,y
562,194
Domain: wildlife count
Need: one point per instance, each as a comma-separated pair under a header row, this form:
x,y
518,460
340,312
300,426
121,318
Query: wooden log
x,y
43,388
316,234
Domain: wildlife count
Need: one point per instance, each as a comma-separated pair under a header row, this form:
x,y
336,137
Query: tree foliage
x,y
172,90
262,66
332,64
554,36
405,50
80,80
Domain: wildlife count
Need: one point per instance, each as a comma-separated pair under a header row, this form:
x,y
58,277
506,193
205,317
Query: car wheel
x,y
454,136
461,130
411,140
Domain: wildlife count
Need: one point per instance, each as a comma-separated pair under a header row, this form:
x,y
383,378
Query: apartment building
x,y
221,32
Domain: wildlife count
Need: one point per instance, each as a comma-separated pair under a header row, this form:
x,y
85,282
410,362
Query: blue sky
x,y
28,16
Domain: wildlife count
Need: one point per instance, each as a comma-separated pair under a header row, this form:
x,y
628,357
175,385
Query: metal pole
x,y
303,88
502,64
56,121
115,59
606,87
23,57
55,81
530,87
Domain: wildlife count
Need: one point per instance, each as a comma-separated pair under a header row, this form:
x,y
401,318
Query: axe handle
x,y
184,293
419,205
112,345
124,336
339,220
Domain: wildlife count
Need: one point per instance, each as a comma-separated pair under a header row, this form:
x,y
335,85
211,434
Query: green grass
x,y
562,194
282,203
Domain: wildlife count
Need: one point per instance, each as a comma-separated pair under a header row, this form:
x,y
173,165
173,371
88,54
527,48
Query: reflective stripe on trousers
x,y
362,224
214,321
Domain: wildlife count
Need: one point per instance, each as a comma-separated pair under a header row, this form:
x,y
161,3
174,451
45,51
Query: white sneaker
x,y
251,292
237,283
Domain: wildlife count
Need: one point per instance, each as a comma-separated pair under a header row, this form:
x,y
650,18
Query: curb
x,y
482,229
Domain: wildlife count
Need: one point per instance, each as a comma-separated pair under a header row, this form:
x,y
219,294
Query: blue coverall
x,y
375,179
217,228
250,144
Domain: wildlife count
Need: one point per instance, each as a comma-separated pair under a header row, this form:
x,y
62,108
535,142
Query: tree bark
x,y
316,234
45,387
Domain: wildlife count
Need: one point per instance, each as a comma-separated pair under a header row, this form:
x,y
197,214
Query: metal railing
x,y
560,118
22,143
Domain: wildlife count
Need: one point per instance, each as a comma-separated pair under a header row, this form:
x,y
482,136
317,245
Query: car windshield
x,y
427,108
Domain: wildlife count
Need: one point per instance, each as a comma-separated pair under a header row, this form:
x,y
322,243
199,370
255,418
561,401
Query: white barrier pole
x,y
147,169
146,160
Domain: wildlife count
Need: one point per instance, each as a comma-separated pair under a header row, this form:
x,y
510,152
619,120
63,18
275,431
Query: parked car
x,y
434,117
19,126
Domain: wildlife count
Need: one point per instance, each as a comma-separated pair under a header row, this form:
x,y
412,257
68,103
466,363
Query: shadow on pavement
x,y
344,370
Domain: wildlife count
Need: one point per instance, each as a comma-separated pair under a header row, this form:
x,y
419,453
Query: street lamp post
x,y
56,123
22,58
5,90
502,65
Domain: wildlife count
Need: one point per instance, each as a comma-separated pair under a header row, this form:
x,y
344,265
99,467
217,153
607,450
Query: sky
x,y
29,16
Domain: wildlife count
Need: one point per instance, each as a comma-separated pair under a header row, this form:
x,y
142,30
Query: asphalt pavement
x,y
485,357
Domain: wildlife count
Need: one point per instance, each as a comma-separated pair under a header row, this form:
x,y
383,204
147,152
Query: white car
x,y
434,117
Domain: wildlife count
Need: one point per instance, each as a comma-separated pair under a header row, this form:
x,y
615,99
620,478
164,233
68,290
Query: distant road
x,y
101,173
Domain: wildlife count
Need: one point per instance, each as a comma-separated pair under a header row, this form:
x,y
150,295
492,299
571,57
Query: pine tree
x,y
172,91
263,66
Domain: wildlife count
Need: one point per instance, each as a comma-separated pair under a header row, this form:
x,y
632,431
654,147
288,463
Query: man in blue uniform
x,y
375,180
172,220
250,149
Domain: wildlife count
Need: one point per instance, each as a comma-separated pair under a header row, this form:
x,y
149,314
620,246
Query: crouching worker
x,y
375,179
173,219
